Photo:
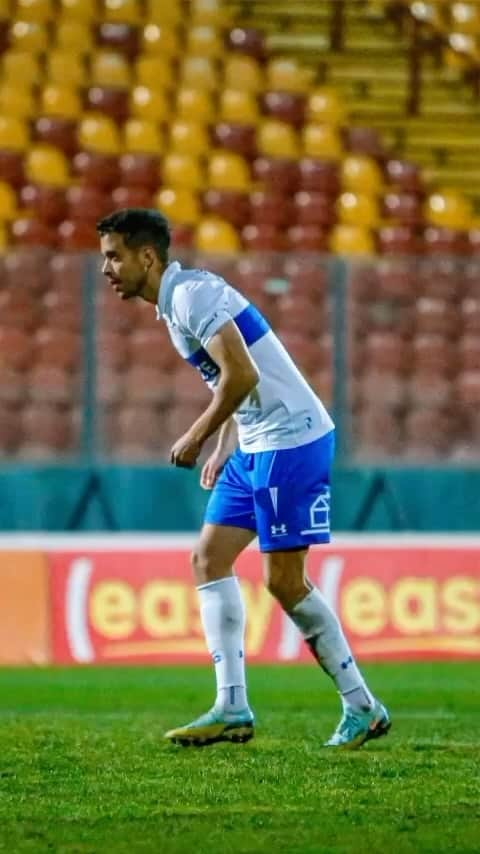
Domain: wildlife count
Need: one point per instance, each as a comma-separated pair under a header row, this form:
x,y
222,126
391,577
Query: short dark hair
x,y
139,226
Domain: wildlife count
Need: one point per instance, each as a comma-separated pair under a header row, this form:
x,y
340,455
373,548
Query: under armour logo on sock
x,y
347,662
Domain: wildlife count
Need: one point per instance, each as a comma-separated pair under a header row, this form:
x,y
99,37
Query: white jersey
x,y
282,411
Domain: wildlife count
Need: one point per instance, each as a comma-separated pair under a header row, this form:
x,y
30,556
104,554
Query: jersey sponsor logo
x,y
319,514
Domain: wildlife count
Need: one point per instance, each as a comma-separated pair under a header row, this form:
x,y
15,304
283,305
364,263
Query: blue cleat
x,y
214,726
355,728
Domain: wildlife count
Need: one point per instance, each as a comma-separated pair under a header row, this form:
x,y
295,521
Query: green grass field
x,y
83,767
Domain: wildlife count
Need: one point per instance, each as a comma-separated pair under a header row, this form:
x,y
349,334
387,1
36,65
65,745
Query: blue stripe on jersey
x,y
204,363
251,324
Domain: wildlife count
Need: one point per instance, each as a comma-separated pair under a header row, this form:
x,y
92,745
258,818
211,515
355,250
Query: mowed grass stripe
x,y
84,768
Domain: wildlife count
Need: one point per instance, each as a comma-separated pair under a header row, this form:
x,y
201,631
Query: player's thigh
x,y
217,549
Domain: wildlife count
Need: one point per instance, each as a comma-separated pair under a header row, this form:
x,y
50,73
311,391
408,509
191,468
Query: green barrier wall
x,y
143,498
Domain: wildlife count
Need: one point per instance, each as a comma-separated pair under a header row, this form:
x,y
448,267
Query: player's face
x,y
123,267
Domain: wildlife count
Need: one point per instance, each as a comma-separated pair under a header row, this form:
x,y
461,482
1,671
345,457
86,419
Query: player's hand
x,y
185,451
212,469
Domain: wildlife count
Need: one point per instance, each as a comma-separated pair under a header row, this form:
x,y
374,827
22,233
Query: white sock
x,y
322,631
223,619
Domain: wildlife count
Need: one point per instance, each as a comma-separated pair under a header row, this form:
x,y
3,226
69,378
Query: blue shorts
x,y
284,496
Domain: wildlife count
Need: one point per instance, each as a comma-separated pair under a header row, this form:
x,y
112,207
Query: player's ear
x,y
148,257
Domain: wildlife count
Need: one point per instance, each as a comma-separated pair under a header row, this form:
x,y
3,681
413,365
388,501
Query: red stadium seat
x,y
398,240
51,384
11,167
239,138
65,272
57,347
139,170
63,310
19,309
13,386
300,314
112,350
138,432
147,384
307,238
468,388
314,208
306,276
152,347
87,203
397,277
230,205
386,352
247,41
378,433
100,170
10,430
276,174
436,316
189,387
403,208
77,235
48,431
364,140
47,203
178,419
286,106
27,267
444,241
57,131
319,176
304,351
404,175
469,352
270,208
110,101
427,387
470,311
131,197
260,238
32,232
441,278
16,348
120,37
428,433
110,391
434,353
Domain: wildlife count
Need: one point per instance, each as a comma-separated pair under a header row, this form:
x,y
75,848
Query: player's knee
x,y
287,588
205,565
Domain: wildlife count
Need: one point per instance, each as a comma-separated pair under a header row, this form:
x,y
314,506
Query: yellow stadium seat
x,y
8,202
45,164
357,209
228,171
29,36
324,105
79,10
238,107
160,40
205,41
449,209
198,72
61,101
243,72
216,237
194,102
286,74
20,68
16,101
188,137
465,18
180,206
109,68
462,50
124,11
142,137
351,240
322,141
149,104
277,139
65,68
167,14
182,171
209,12
14,134
361,174
3,240
74,36
153,71
35,10
98,133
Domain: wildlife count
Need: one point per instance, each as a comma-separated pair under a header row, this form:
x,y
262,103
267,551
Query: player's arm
x,y
238,377
227,437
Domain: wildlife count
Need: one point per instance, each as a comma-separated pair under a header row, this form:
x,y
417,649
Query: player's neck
x,y
152,286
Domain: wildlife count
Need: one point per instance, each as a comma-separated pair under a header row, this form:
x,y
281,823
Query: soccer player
x,y
269,472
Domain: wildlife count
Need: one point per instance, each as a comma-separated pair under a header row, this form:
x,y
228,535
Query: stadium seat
x,y
360,174
230,205
117,36
154,72
208,12
87,203
403,175
58,132
428,433
188,137
160,40
357,209
149,104
13,387
10,430
403,208
228,171
40,11
264,238
14,135
77,236
198,72
27,268
468,387
435,354
470,314
8,202
277,139
284,106
112,350
436,316
465,18
377,433
444,241
16,102
137,433
469,352
319,176
45,202
168,14
321,141
46,165
57,347
65,69
237,106
109,68
242,71
108,100
50,384
182,171
20,68
16,348
277,174
124,11
204,40
63,310
439,277
324,106
270,207
147,384
78,10
74,36
313,209
363,141
29,36
397,240
248,41
307,238
348,239
131,197
32,232
60,101
19,309
286,74
140,169
448,209
151,347
239,138
142,137
298,313
98,133
214,235
48,431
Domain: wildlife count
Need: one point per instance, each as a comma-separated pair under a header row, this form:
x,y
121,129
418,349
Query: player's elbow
x,y
249,378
